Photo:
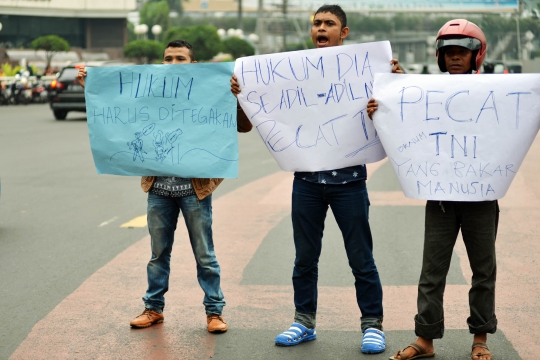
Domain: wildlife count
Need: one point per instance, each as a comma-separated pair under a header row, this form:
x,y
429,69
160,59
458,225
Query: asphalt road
x,y
72,277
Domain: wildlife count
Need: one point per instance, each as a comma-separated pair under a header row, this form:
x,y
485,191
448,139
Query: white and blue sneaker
x,y
373,341
296,334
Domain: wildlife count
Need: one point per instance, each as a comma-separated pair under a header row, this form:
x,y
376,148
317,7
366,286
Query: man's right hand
x,y
81,75
395,67
372,106
235,86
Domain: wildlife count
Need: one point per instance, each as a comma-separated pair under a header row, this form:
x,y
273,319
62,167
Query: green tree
x,y
204,39
174,5
146,51
51,44
224,22
496,27
155,13
176,33
131,32
301,45
238,47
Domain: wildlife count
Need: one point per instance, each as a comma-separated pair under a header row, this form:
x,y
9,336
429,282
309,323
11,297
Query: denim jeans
x,y
478,222
163,215
350,205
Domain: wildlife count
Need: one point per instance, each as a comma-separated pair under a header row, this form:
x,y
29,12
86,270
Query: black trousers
x,y
478,222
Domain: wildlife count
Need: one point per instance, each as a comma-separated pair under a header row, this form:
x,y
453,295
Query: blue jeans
x,y
350,205
163,215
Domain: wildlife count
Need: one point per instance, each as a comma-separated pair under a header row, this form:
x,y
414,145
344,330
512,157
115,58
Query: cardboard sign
x,y
163,120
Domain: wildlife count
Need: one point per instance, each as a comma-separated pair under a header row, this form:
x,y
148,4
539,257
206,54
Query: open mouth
x,y
322,40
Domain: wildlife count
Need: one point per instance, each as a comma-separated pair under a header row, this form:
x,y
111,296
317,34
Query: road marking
x,y
236,245
138,222
108,222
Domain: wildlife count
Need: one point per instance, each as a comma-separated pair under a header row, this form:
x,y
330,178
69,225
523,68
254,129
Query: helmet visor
x,y
468,43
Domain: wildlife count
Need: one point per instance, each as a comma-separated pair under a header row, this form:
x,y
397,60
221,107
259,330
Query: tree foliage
x,y
9,70
155,13
301,46
147,51
175,33
224,22
495,26
174,5
238,47
51,44
204,39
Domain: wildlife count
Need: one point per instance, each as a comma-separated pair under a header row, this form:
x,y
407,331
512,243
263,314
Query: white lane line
x,y
105,223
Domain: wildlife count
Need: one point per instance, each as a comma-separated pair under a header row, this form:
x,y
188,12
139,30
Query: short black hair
x,y
336,10
180,44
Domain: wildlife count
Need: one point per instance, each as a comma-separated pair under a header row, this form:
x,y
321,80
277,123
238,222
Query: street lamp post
x,y
239,33
254,38
259,28
529,36
519,54
284,29
156,30
141,30
518,15
240,21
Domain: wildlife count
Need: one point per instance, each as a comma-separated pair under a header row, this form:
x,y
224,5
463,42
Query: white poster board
x,y
309,106
457,137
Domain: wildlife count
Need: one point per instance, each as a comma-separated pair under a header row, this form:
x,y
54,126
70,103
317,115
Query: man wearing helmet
x,y
461,48
468,40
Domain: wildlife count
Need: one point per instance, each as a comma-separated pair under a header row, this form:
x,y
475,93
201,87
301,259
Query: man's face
x,y
176,55
326,30
457,59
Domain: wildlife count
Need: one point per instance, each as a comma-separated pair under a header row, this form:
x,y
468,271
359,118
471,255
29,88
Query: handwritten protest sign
x,y
457,137
309,107
168,120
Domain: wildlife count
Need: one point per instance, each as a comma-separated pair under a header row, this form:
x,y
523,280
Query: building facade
x,y
87,24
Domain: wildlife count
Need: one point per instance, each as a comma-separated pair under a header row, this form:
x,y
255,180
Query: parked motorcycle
x,y
21,91
5,93
39,92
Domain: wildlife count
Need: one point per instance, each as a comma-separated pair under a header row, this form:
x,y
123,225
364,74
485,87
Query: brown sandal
x,y
419,349
483,346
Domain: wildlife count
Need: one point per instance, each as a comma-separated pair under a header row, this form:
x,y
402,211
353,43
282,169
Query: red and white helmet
x,y
460,32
